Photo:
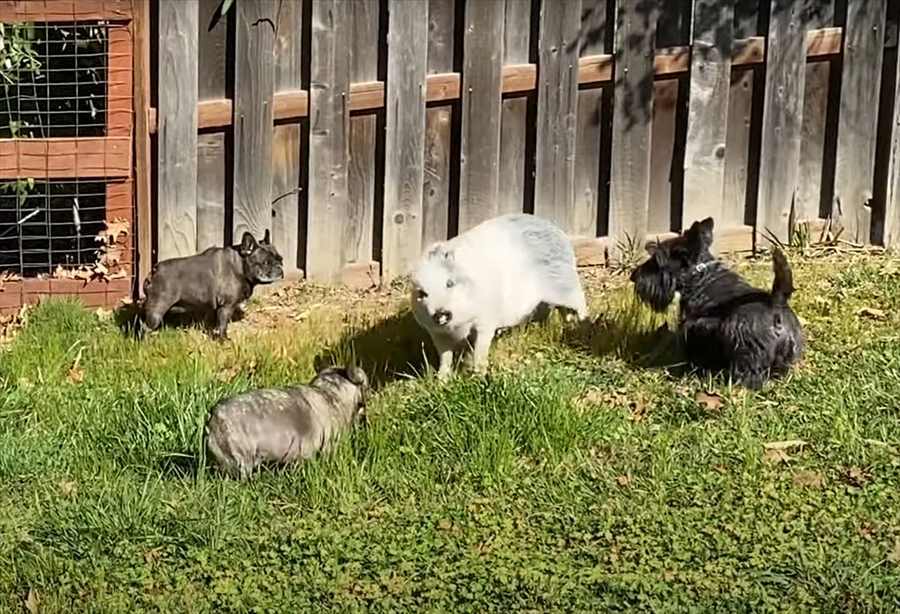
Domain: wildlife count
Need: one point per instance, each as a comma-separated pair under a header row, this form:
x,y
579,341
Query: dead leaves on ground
x,y
872,313
777,452
709,401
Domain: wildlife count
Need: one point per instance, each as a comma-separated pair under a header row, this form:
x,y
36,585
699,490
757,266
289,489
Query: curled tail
x,y
783,286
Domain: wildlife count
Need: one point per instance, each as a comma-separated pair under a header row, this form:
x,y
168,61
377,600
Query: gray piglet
x,y
219,279
285,425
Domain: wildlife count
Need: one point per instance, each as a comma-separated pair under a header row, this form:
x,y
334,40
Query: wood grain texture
x,y
737,151
438,127
892,197
704,160
630,172
286,141
212,46
210,190
329,131
405,135
812,149
662,153
254,78
782,119
481,90
143,175
513,114
363,44
557,112
177,157
860,87
592,41
285,181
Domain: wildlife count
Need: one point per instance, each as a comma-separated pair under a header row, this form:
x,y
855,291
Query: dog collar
x,y
699,268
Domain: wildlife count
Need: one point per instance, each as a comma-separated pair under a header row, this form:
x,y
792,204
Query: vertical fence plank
x,y
329,118
782,118
211,176
405,135
740,118
588,136
815,114
662,155
142,155
254,78
286,140
358,234
892,198
704,159
482,85
630,174
557,111
177,128
438,124
513,131
860,86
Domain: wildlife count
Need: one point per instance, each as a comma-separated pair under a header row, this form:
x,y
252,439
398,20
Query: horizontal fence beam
x,y
62,158
56,11
594,70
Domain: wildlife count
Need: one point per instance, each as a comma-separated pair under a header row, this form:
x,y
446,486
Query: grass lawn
x,y
570,479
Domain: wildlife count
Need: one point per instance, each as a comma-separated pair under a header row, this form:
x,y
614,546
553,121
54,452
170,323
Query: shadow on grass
x,y
128,319
181,466
390,349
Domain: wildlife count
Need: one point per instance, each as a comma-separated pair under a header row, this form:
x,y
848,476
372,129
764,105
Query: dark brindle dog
x,y
725,323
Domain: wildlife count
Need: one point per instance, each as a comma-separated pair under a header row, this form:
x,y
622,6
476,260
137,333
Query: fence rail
x,y
383,125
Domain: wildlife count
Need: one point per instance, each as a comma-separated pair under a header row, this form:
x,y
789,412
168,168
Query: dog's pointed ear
x,y
700,234
248,244
266,238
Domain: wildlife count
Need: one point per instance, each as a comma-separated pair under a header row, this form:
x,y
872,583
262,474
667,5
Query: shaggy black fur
x,y
725,323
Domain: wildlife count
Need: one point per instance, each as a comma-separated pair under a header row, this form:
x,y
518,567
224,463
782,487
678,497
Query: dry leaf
x,y
623,480
872,313
68,488
113,230
709,401
894,555
776,456
444,524
153,555
811,479
76,374
856,476
867,531
32,601
788,444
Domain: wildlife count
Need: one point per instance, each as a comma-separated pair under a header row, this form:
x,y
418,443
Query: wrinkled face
x,y
657,280
340,378
436,288
262,262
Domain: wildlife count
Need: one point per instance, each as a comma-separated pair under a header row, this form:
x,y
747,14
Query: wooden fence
x,y
382,125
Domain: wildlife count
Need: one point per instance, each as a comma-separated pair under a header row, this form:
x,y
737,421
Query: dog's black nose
x,y
442,316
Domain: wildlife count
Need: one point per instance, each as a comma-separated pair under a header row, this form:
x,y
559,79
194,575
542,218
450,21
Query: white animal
x,y
493,276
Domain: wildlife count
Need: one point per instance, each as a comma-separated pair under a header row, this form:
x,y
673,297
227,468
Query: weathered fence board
x,y
177,119
513,130
481,87
589,126
254,77
662,155
211,147
438,127
359,232
704,158
405,135
892,198
737,150
860,86
630,175
329,87
815,116
557,112
782,118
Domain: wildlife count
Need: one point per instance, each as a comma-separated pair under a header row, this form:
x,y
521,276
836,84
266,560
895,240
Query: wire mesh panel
x,y
66,119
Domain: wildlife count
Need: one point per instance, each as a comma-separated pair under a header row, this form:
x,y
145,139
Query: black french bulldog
x,y
219,279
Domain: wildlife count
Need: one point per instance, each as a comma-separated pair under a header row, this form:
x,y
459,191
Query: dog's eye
x,y
421,294
450,283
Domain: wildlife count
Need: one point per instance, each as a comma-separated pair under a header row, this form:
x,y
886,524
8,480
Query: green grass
x,y
570,479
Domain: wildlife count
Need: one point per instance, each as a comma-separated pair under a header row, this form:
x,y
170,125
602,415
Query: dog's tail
x,y
783,286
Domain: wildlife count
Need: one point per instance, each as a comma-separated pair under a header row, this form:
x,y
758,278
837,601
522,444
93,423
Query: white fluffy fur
x,y
493,276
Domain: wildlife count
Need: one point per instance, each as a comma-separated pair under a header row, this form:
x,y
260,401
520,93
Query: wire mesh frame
x,y
87,179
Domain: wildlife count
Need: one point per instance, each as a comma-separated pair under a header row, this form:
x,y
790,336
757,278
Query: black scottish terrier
x,y
725,323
